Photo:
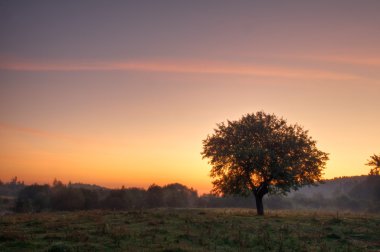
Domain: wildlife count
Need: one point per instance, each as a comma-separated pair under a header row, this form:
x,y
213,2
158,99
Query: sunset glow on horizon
x,y
123,92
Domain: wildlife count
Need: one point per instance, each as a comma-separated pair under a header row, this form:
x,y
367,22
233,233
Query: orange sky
x,y
124,93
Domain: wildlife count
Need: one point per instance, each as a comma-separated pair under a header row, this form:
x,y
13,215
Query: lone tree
x,y
260,154
375,162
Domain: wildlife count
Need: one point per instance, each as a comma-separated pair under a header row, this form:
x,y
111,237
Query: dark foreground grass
x,y
189,230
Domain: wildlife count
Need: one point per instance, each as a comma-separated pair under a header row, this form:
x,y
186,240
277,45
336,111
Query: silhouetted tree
x,y
154,196
375,162
177,195
11,188
67,199
33,198
116,200
369,189
136,198
261,153
57,183
91,199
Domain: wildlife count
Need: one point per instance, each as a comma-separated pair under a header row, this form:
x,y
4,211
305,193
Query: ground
x,y
189,230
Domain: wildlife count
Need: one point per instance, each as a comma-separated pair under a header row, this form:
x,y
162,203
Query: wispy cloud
x,y
360,61
375,62
60,137
226,68
39,133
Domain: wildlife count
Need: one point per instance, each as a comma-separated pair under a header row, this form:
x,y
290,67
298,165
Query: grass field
x,y
189,230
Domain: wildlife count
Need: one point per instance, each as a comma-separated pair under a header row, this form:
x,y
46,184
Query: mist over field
x,y
352,194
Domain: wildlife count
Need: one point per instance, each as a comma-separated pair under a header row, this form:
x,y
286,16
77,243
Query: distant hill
x,y
357,193
331,187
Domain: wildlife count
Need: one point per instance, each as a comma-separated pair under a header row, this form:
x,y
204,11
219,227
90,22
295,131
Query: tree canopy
x,y
375,163
260,154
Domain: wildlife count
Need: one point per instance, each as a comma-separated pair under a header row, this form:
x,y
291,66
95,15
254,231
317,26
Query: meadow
x,y
189,230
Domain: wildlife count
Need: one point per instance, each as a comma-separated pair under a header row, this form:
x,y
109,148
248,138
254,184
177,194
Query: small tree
x,y
260,154
375,163
155,196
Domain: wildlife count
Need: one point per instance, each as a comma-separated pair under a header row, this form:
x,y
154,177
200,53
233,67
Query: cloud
x,y
165,66
337,59
87,141
38,132
350,60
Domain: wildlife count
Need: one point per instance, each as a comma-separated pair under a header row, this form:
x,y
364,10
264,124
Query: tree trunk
x,y
259,204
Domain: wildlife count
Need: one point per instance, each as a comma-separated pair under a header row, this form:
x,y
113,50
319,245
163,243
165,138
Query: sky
x,y
123,92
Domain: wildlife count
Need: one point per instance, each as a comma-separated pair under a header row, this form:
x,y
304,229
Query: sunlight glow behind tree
x,y
260,154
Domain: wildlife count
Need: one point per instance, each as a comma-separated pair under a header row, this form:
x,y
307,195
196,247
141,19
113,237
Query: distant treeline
x,y
361,193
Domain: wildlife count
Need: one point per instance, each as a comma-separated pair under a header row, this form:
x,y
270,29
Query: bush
x,y
33,198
